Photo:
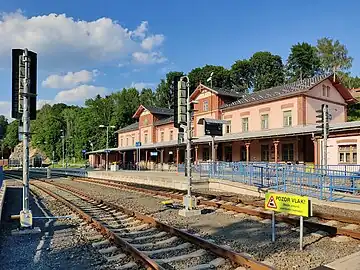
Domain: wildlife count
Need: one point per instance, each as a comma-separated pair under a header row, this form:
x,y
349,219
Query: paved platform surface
x,y
351,262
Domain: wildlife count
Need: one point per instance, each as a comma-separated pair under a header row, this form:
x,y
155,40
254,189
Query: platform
x,y
178,181
351,262
151,178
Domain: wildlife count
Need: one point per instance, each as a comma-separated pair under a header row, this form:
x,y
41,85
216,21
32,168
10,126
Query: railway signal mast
x,y
24,73
323,117
182,121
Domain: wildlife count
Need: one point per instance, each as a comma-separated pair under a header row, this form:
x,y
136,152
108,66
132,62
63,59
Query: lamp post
x,y
107,145
63,146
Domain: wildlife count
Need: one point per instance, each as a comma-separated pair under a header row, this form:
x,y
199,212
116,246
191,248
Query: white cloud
x,y
71,79
148,58
153,41
5,109
140,85
79,93
141,30
65,42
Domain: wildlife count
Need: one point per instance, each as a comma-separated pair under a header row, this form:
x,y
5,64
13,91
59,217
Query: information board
x,y
287,203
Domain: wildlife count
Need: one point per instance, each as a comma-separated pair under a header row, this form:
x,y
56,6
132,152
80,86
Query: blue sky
x,y
139,41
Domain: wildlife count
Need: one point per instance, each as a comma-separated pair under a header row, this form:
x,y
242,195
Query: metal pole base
x,y
26,219
189,203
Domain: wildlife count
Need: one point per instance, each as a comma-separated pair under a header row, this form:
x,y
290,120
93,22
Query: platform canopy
x,y
212,121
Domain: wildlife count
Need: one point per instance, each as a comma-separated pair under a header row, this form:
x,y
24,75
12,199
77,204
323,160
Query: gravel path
x,y
60,244
242,233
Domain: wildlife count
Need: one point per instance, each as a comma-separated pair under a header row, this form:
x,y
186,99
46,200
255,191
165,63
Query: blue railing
x,y
327,184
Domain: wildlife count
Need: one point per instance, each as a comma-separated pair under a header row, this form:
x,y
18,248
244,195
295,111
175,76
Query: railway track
x,y
149,242
237,206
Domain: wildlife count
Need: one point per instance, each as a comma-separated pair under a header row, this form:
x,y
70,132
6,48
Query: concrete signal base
x,y
189,213
34,230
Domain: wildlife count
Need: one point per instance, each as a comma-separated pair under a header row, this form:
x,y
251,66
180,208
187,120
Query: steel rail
x,y
238,258
148,262
332,230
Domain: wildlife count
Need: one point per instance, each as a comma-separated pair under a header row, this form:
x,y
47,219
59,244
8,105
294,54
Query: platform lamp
x,y
107,145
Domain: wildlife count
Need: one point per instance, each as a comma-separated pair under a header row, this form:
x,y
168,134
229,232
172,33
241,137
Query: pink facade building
x,y
273,125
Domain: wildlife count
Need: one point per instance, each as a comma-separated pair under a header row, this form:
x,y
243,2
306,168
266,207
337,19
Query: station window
x,y
348,153
288,152
287,115
133,140
326,91
228,127
127,141
121,142
171,135
205,106
264,121
145,138
162,136
245,124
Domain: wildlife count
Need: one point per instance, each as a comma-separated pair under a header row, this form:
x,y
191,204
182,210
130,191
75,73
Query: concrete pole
x,y
63,148
188,145
26,131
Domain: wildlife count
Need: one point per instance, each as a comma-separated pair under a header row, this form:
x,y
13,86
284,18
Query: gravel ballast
x,y
240,232
59,245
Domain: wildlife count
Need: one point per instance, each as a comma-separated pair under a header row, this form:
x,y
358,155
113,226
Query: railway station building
x,y
272,125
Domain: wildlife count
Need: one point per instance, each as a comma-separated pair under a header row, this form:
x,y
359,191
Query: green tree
x,y
11,138
220,77
164,93
303,62
3,125
268,70
333,55
147,97
241,75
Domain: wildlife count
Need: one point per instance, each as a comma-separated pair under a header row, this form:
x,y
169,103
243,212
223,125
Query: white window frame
x,y
352,149
245,123
265,122
288,121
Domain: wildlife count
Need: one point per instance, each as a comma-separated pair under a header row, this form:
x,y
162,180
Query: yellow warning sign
x,y
286,203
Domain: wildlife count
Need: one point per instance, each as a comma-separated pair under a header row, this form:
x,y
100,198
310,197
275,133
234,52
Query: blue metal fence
x,y
333,183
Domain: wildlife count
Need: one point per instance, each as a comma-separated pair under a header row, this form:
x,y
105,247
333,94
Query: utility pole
x,y
63,147
107,145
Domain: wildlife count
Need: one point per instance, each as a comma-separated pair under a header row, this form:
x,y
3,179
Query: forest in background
x,y
262,70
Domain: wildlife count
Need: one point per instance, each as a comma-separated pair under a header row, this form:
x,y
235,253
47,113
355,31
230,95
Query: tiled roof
x,y
225,92
131,127
261,134
164,121
277,91
162,111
